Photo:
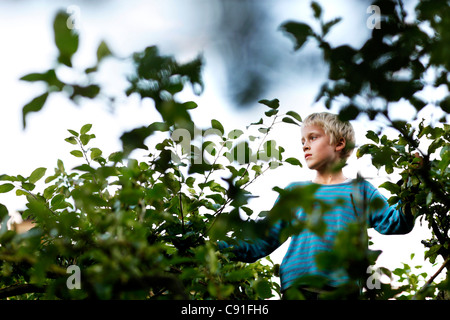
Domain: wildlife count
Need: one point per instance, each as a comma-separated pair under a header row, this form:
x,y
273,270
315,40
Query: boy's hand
x,y
417,164
409,191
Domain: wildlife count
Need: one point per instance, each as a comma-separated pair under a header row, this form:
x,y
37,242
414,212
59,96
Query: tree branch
x,y
19,289
430,281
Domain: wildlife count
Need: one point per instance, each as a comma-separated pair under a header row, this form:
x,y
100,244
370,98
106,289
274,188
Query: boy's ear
x,y
340,145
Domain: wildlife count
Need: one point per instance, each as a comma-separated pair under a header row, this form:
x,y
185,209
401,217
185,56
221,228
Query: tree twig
x,y
430,281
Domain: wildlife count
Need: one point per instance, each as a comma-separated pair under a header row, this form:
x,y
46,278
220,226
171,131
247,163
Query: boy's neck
x,y
330,178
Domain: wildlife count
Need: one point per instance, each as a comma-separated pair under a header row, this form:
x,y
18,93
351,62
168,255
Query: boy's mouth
x,y
307,155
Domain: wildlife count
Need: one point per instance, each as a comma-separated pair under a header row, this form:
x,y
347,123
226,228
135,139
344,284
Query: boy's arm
x,y
390,219
252,250
397,219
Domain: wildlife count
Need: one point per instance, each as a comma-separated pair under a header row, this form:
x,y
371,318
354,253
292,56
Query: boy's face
x,y
320,155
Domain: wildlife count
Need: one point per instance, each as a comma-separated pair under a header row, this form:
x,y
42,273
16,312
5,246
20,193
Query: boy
x,y
327,143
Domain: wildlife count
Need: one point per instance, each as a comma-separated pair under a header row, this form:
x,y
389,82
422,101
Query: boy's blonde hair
x,y
335,129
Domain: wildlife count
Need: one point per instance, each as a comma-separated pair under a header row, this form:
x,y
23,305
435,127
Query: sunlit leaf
x,y
85,129
217,125
37,174
77,153
103,51
6,187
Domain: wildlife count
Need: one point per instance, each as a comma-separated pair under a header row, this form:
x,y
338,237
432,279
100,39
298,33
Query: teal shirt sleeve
x,y
252,250
388,219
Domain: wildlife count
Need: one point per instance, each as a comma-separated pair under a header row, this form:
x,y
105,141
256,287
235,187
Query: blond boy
x,y
327,143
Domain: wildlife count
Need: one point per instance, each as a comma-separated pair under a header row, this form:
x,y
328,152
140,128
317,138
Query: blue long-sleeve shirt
x,y
346,203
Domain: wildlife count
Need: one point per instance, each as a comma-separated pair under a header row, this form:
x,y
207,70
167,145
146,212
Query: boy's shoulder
x,y
360,182
297,184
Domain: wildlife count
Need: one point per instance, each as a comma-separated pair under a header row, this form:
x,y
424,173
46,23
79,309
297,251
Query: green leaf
x,y
66,40
103,51
49,77
247,210
60,165
289,120
85,129
264,130
159,126
298,31
77,153
264,289
257,169
372,136
190,105
256,123
294,162
271,112
57,201
116,157
37,174
95,153
391,187
234,134
190,182
134,139
71,140
34,105
445,104
273,104
85,167
6,187
317,9
3,212
294,115
85,138
90,91
349,112
327,26
20,192
217,125
28,186
73,132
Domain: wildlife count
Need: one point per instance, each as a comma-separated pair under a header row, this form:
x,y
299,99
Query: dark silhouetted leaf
x,y
294,115
298,31
349,112
273,104
34,105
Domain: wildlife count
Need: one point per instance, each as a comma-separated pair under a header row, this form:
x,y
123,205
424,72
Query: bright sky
x,y
128,26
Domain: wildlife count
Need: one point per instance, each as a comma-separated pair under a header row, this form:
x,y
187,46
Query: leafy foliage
x,y
147,228
141,228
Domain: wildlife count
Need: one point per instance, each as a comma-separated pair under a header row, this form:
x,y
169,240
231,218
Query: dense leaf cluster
x,y
141,229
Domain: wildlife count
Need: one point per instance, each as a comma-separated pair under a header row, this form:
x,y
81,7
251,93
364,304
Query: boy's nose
x,y
305,147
